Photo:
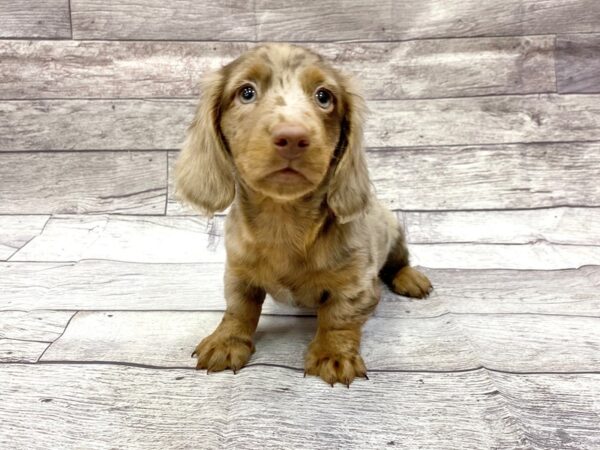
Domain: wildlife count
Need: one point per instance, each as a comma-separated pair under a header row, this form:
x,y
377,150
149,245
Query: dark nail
x,y
366,377
194,354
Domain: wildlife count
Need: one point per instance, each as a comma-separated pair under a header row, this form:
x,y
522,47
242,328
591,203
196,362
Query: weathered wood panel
x,y
168,338
147,239
513,342
261,407
33,325
285,20
556,411
190,239
578,63
483,120
110,285
94,124
414,19
415,69
155,19
531,343
556,225
15,231
92,182
14,350
160,124
495,177
538,256
475,177
457,18
35,19
108,407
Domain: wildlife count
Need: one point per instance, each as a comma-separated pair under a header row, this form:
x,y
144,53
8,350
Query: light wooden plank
x,y
557,225
15,231
167,338
558,411
146,239
476,177
14,350
110,69
578,63
155,19
189,239
33,325
35,19
110,285
94,125
532,343
414,69
91,182
285,20
537,256
488,177
483,120
415,19
261,407
160,124
109,407
513,342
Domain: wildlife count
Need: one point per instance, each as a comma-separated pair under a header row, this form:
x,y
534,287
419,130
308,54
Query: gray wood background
x,y
484,138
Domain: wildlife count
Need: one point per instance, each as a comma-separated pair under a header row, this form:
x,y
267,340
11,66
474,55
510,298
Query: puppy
x,y
278,136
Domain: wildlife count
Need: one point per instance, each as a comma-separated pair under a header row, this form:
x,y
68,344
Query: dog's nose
x,y
290,140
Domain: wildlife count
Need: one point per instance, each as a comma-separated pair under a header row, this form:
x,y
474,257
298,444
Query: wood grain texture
x,y
556,225
16,231
147,239
111,285
415,19
94,125
33,325
487,177
557,411
93,182
155,19
189,239
35,19
168,338
160,124
514,342
415,69
14,350
483,120
578,63
261,407
475,177
285,20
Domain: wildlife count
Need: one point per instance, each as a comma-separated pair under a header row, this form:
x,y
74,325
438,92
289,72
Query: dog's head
x,y
286,124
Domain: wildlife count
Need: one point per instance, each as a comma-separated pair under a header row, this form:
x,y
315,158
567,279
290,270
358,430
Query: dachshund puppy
x,y
278,136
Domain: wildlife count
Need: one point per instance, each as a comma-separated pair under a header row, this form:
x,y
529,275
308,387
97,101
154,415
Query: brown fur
x,y
319,239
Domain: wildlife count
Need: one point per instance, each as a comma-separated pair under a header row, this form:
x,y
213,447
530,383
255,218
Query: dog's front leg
x,y
334,353
230,345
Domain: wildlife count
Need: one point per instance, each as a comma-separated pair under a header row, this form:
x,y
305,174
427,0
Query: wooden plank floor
x,y
483,137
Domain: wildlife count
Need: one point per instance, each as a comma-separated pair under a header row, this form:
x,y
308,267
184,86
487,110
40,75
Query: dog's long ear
x,y
204,172
349,188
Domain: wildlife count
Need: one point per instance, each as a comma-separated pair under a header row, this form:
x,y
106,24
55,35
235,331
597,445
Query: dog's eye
x,y
323,98
247,93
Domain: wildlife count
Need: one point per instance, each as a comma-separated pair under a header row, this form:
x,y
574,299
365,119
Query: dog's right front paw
x,y
219,352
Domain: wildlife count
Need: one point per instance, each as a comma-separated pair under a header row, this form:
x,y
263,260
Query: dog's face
x,y
284,122
281,116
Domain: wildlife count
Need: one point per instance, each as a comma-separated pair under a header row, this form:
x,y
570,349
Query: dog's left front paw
x,y
333,366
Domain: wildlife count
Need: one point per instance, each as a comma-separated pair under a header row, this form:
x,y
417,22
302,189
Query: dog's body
x,y
278,135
